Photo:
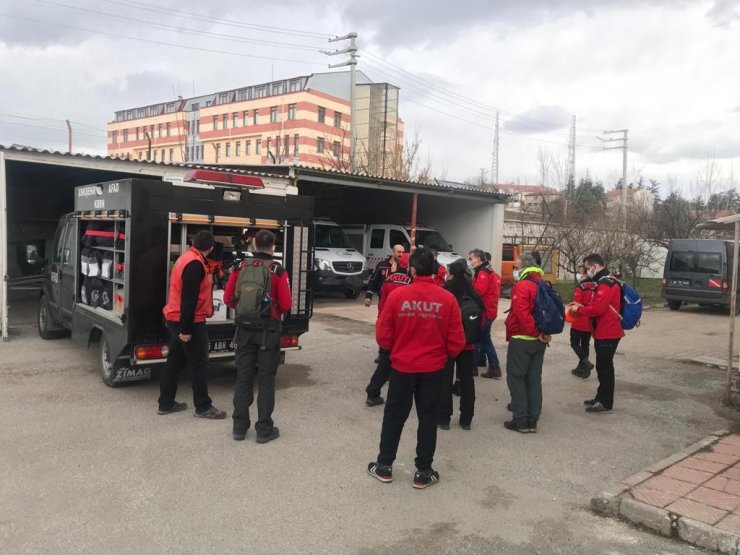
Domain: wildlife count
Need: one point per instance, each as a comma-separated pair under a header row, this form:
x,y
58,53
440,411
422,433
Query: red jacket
x,y
421,326
583,294
488,285
438,277
204,304
279,288
520,320
391,283
604,308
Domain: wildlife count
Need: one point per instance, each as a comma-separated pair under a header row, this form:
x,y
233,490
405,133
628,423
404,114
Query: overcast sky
x,y
666,70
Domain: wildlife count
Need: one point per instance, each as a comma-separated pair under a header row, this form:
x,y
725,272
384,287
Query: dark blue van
x,y
698,271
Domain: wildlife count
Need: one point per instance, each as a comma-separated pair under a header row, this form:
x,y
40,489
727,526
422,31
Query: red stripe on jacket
x,y
421,325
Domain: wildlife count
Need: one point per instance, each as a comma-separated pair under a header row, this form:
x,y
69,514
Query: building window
x,y
155,155
293,85
162,159
296,138
255,116
273,114
286,146
242,94
320,145
159,130
246,118
141,154
195,107
235,117
125,135
337,119
218,151
291,111
258,146
151,134
142,112
130,114
322,114
226,121
215,122
269,144
172,154
259,92
238,149
138,133
248,148
168,129
169,108
277,88
208,103
336,149
115,137
228,150
223,98
197,127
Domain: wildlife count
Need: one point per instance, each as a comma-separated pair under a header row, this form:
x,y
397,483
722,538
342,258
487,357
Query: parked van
x,y
375,241
338,265
698,271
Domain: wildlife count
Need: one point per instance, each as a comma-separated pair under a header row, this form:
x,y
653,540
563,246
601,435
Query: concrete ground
x,y
90,469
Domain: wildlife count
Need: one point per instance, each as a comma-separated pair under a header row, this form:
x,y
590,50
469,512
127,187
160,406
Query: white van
x,y
375,241
337,264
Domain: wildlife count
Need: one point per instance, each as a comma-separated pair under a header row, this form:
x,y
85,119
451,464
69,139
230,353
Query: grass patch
x,y
649,289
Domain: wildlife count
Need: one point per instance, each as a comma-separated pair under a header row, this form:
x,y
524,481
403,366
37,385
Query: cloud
x,y
724,12
687,142
539,119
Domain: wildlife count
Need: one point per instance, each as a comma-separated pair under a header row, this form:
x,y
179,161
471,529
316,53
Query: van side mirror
x,y
32,256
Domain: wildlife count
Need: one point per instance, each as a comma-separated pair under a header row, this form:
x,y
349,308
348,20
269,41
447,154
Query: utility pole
x,y
494,155
69,137
352,63
571,164
623,147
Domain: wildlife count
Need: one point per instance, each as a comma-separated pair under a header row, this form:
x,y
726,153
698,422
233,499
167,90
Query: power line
x,y
36,117
157,42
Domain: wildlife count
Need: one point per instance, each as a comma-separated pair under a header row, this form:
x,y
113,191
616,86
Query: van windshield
x,y
430,239
696,262
332,237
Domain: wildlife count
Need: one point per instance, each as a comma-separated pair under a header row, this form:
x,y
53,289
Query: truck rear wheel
x,y
47,329
108,366
674,305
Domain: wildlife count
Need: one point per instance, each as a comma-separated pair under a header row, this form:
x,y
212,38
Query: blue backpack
x,y
549,310
631,310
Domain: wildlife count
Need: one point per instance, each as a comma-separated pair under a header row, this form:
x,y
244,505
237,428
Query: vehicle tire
x,y
350,294
45,325
108,367
674,305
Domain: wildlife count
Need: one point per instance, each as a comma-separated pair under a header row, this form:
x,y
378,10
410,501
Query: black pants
x,y
257,354
465,364
403,390
194,355
605,350
380,376
579,342
524,360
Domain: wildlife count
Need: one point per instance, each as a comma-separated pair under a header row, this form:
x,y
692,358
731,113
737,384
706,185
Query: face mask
x,y
591,272
517,274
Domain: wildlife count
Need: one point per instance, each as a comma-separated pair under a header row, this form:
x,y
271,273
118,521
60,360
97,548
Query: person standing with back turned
x,y
422,328
189,305
260,293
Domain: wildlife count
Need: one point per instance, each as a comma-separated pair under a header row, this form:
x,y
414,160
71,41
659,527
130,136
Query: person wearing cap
x,y
398,278
421,326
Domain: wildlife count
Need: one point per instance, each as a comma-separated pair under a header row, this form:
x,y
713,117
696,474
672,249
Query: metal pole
x,y
3,251
414,207
624,182
352,84
69,136
733,309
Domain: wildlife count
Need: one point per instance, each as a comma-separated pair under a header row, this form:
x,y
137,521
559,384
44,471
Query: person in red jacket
x,y
605,310
438,276
488,285
398,278
189,305
258,350
459,284
422,328
581,327
526,351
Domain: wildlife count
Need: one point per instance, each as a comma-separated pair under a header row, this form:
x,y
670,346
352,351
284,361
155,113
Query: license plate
x,y
221,346
681,282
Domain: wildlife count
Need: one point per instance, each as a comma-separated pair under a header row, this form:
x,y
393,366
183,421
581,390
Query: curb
x,y
618,502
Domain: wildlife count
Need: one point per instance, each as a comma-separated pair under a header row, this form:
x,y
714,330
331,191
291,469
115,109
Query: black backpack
x,y
472,320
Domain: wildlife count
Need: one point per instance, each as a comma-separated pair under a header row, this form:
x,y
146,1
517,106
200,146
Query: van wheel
x,y
46,326
350,294
674,305
108,367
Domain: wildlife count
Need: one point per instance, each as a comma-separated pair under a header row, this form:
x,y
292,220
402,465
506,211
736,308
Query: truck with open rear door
x,y
107,277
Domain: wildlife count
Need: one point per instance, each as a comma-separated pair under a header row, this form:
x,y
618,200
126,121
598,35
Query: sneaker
x,y
274,434
597,407
585,373
239,437
177,407
465,426
424,479
380,472
514,427
212,413
443,425
576,371
374,401
589,402
532,427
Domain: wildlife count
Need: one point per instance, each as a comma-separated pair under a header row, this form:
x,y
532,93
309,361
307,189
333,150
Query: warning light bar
x,y
211,177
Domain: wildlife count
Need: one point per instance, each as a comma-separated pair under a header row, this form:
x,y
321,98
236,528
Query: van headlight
x,y
323,265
